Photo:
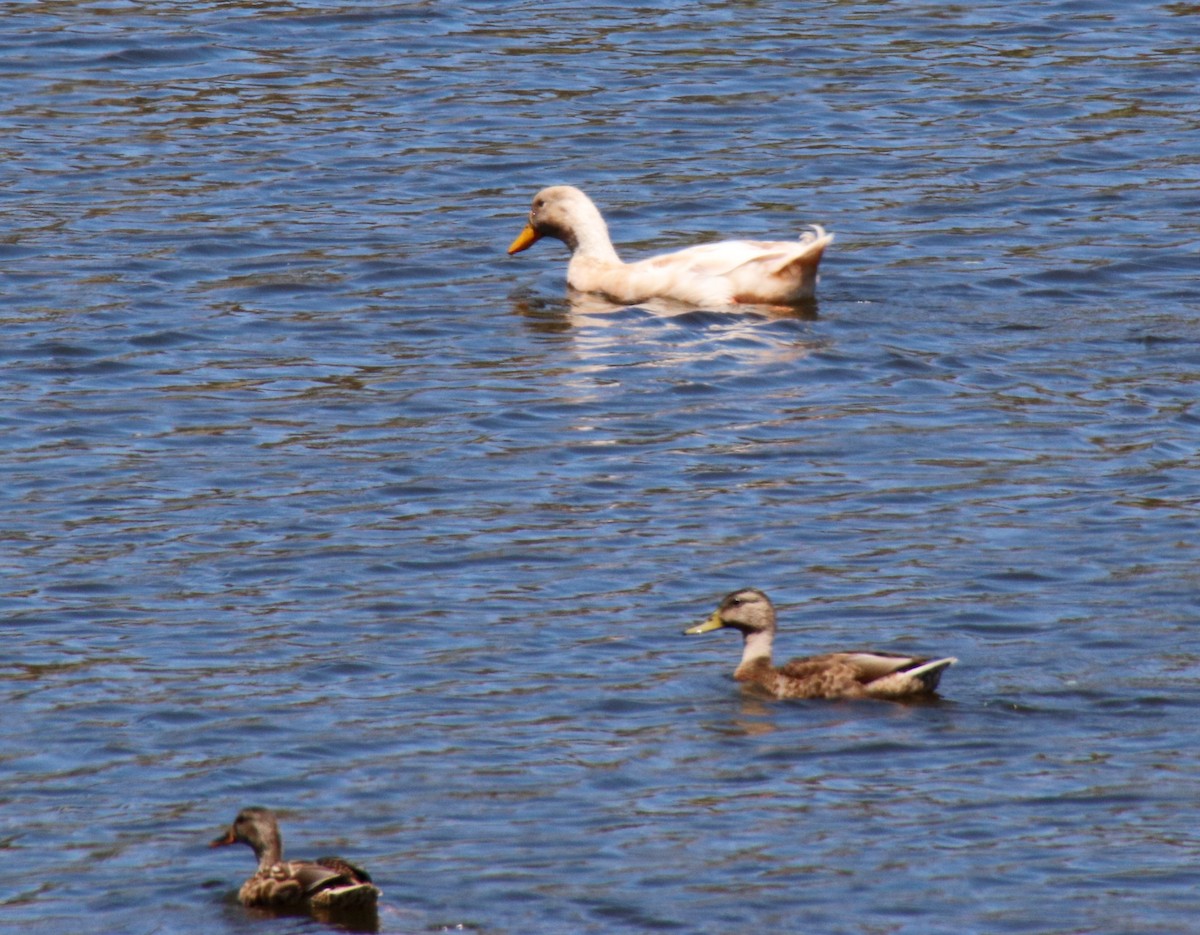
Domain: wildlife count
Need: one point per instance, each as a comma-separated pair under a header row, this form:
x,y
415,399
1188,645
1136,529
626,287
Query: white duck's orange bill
x,y
526,239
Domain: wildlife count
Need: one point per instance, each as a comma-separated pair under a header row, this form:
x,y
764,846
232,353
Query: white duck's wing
x,y
718,259
751,271
666,277
708,276
785,273
714,275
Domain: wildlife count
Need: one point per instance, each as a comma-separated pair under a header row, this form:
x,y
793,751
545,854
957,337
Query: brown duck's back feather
x,y
804,678
846,675
866,664
273,887
329,882
344,867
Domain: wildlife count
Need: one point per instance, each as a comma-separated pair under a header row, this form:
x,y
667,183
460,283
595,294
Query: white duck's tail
x,y
800,270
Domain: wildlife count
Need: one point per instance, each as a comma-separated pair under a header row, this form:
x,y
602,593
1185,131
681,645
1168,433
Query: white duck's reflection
x,y
598,328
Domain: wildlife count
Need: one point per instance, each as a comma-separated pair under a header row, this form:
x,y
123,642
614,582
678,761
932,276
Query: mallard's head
x,y
256,827
748,610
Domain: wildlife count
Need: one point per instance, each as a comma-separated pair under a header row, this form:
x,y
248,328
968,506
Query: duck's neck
x,y
269,848
590,238
756,648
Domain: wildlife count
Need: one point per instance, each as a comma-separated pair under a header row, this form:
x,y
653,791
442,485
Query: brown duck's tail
x,y
919,679
360,897
930,673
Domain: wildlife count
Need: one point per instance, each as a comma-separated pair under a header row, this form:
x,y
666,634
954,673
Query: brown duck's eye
x,y
539,204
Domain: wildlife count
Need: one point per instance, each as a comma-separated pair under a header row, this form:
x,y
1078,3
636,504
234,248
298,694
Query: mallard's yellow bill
x,y
526,239
712,623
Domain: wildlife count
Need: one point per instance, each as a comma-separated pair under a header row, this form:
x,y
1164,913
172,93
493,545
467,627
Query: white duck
x,y
715,275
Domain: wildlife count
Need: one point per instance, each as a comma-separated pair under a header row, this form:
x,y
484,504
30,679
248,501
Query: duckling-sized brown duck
x,y
834,675
327,885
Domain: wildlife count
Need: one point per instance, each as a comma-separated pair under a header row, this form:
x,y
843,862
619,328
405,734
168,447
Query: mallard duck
x,y
714,275
326,885
834,675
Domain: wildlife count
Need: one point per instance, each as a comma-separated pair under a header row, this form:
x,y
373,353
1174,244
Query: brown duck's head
x,y
747,609
558,211
256,827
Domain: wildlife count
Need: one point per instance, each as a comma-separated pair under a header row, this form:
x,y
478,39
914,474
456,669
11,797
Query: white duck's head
x,y
565,213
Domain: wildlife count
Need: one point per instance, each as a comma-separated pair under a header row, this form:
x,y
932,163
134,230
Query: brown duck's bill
x,y
227,838
526,239
712,623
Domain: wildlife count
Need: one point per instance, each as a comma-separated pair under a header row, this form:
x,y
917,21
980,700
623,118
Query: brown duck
x,y
325,885
833,675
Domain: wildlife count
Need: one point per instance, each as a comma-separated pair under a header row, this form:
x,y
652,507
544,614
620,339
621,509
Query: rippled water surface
x,y
314,498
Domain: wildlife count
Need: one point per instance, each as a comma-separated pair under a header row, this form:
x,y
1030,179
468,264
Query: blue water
x,y
313,498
